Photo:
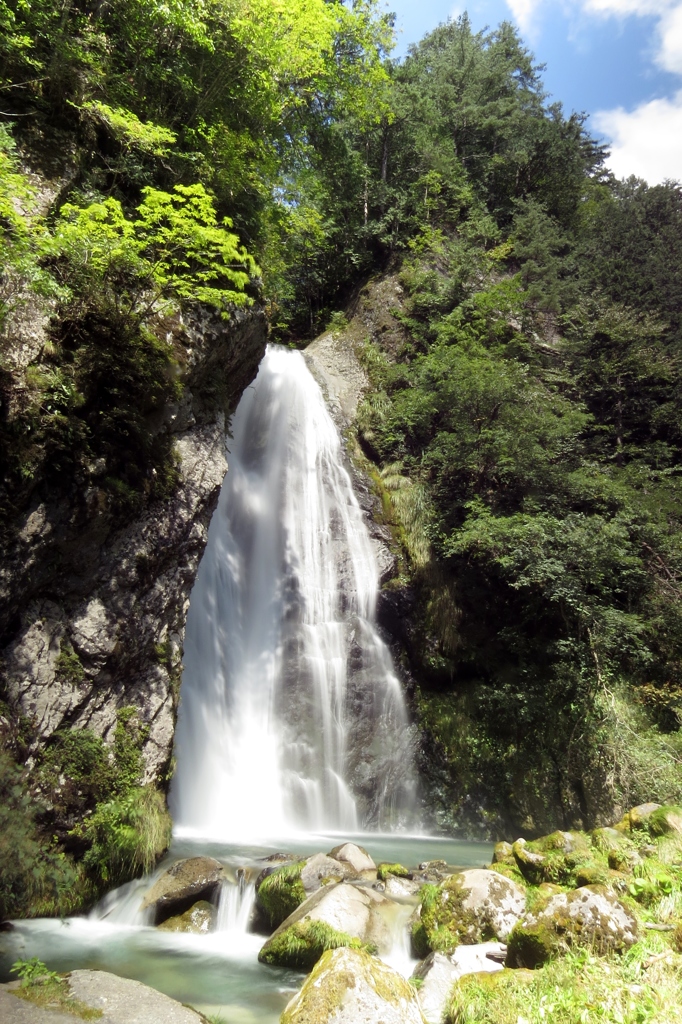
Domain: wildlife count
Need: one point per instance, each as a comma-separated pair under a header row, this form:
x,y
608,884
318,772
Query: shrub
x,y
126,836
34,877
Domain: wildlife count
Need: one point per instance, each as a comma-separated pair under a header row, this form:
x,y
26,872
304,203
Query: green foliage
x,y
132,133
126,836
175,248
641,987
35,876
32,971
68,665
48,989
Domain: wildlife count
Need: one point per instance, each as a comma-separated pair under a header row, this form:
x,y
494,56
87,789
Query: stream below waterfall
x,y
293,734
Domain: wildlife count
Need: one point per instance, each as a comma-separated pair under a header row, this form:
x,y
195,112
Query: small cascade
x,y
122,906
236,904
401,957
292,717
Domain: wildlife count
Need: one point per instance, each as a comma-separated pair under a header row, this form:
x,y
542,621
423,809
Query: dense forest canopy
x,y
524,428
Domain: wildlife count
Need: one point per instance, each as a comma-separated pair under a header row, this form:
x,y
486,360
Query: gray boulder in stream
x,y
355,856
349,986
439,972
337,915
110,1000
183,885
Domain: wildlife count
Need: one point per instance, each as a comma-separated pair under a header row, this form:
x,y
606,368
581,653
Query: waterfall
x,y
291,717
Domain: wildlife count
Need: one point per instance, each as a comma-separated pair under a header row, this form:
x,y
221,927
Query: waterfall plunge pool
x,y
218,973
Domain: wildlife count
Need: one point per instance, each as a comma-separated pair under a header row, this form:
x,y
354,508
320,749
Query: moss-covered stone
x,y
592,872
302,944
470,907
198,920
590,916
182,886
352,912
636,818
665,821
564,858
281,892
385,870
503,853
347,986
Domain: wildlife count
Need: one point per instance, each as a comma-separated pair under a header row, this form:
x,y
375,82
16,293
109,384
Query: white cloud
x,y
624,8
647,141
670,54
524,12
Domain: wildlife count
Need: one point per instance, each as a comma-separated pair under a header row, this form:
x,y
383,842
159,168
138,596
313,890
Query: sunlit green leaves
x,y
175,248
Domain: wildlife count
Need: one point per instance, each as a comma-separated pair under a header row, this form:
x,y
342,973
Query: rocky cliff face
x,y
92,613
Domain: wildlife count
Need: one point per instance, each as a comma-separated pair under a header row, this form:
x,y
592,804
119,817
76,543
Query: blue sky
x,y
618,60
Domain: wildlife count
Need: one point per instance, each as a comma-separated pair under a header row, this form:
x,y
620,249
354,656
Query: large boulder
x,y
440,971
348,986
338,915
637,817
665,821
102,996
355,856
183,885
401,889
591,916
566,858
280,889
321,869
198,920
473,906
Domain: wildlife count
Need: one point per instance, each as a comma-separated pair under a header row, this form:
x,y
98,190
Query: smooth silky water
x,y
292,734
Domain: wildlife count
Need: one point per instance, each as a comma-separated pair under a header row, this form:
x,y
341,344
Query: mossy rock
x,y
385,870
281,892
470,907
348,915
302,944
590,916
564,858
637,818
618,848
665,821
503,853
185,883
347,986
592,872
198,920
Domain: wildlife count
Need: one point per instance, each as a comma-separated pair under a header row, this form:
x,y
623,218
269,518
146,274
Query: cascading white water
x,y
291,717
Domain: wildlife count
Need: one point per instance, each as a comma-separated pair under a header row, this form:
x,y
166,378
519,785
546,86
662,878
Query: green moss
x,y
444,922
68,665
56,995
281,892
665,821
302,944
562,858
385,870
